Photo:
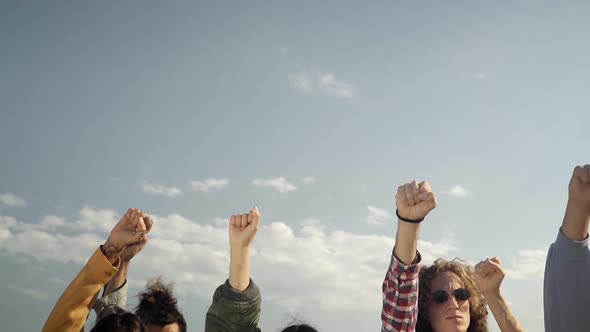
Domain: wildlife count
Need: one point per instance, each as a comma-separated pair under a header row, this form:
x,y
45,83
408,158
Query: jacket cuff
x,y
570,249
99,268
250,294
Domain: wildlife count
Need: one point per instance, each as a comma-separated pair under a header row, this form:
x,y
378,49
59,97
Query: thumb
x,y
496,260
494,263
254,224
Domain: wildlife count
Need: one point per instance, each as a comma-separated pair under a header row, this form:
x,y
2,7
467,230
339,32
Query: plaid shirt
x,y
400,296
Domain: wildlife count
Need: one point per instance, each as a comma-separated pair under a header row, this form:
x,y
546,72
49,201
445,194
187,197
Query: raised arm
x,y
242,229
115,291
488,278
400,288
567,270
71,310
577,214
236,303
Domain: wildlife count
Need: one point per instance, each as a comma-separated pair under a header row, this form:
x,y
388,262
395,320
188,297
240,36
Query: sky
x,y
313,111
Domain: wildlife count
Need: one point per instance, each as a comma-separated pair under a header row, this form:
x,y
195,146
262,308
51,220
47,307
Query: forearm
x,y
575,222
502,314
72,309
239,268
406,241
118,279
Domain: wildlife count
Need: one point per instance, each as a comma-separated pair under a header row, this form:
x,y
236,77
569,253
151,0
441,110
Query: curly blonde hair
x,y
477,304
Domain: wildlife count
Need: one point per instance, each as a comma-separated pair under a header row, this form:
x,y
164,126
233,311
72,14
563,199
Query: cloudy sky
x,y
315,112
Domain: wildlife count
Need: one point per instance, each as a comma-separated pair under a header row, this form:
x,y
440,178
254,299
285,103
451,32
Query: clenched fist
x,y
579,188
243,228
415,200
489,276
131,230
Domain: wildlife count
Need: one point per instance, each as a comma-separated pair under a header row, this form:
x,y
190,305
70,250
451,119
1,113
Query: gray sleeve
x,y
108,304
566,289
232,310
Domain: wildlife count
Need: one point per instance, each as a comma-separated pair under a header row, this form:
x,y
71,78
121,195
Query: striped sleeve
x,y
400,297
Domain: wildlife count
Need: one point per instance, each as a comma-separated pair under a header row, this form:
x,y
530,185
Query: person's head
x,y
157,308
448,300
299,328
120,321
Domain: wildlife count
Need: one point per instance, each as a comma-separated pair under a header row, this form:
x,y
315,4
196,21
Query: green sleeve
x,y
234,311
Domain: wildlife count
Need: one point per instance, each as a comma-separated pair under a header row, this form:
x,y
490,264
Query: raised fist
x,y
243,228
130,230
489,276
415,200
133,249
579,188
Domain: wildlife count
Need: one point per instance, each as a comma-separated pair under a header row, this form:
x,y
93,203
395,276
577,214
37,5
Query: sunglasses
x,y
460,294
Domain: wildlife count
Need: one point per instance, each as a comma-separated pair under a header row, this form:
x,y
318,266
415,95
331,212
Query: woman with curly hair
x,y
450,283
448,296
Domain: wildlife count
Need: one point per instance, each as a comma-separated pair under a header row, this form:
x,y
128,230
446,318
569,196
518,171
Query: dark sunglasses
x,y
460,294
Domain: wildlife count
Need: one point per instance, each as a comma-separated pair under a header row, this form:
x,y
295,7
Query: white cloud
x,y
283,50
91,219
159,190
11,200
221,221
209,184
302,83
457,191
281,184
309,82
5,234
7,222
527,263
308,180
377,216
52,222
330,85
30,292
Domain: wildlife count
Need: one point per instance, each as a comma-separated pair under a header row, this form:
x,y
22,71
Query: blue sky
x,y
315,112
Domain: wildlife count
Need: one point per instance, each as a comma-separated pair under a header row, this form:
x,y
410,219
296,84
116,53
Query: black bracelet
x,y
411,221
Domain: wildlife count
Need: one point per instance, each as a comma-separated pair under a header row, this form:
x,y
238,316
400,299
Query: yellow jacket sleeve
x,y
73,307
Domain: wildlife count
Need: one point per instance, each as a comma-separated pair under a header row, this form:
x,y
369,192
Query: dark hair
x,y
477,304
157,305
299,328
120,321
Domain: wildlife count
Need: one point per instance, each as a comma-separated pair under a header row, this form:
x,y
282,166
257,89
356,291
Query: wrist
x,y
580,209
410,219
492,295
110,251
239,247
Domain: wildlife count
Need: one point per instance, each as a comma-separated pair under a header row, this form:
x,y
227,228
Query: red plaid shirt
x,y
400,297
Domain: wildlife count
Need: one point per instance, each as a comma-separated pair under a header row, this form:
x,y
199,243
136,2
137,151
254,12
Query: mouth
x,y
454,317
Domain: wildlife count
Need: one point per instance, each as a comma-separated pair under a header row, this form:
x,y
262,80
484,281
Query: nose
x,y
452,302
